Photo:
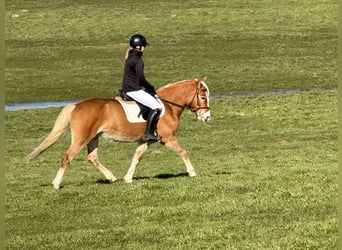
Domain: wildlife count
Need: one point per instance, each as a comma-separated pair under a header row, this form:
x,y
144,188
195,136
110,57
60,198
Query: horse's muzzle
x,y
204,116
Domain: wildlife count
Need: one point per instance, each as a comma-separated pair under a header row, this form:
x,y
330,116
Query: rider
x,y
135,85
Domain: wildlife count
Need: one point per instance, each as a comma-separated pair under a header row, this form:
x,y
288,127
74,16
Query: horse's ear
x,y
204,79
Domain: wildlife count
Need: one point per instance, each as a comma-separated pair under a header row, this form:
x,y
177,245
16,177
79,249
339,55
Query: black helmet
x,y
137,40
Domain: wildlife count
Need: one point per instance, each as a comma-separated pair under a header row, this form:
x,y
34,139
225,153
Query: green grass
x,y
74,50
267,186
267,165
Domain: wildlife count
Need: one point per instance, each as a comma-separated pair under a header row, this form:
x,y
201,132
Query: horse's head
x,y
200,102
176,94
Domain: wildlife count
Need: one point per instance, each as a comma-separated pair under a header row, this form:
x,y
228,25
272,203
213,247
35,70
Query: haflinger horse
x,y
96,117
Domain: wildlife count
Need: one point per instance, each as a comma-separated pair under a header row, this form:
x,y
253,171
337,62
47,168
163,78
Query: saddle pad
x,y
132,110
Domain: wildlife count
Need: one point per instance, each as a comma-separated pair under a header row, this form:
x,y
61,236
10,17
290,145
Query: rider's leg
x,y
151,127
153,117
145,99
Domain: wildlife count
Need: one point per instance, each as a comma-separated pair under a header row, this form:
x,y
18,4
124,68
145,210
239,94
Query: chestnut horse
x,y
91,118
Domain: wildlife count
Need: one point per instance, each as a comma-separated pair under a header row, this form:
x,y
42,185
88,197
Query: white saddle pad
x,y
132,110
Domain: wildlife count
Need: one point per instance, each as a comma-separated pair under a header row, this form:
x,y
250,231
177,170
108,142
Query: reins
x,y
172,103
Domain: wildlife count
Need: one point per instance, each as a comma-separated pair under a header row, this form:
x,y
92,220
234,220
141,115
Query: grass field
x,y
267,186
266,164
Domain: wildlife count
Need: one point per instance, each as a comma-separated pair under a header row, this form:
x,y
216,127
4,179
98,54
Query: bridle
x,y
197,99
196,95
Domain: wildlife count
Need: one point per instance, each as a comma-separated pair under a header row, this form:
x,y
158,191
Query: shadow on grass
x,y
158,176
224,173
161,176
105,181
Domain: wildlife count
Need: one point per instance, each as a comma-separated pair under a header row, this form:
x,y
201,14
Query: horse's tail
x,y
58,129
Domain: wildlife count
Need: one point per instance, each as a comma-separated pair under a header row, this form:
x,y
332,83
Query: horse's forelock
x,y
205,85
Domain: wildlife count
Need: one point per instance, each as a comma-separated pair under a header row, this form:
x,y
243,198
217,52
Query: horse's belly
x,y
123,136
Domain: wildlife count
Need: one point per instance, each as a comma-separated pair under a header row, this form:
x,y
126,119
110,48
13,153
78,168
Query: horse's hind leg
x,y
93,158
174,145
68,156
141,149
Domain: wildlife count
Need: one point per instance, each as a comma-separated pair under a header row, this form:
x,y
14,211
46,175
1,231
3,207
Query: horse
x,y
91,118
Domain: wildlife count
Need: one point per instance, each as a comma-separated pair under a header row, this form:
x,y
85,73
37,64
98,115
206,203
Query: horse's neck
x,y
179,92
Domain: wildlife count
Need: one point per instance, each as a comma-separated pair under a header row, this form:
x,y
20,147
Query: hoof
x,y
112,180
55,185
128,181
192,174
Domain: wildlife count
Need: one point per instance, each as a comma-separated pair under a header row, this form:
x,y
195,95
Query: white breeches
x,y
145,99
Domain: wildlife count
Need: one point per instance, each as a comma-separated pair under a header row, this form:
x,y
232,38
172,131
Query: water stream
x,y
42,105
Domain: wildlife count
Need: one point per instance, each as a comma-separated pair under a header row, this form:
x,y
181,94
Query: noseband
x,y
195,109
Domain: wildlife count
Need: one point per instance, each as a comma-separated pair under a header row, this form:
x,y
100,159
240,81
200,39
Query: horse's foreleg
x,y
141,149
174,145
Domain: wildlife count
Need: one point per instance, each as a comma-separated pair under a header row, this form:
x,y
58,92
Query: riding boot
x,y
150,132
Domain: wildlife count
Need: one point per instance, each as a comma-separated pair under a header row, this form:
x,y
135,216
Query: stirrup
x,y
151,138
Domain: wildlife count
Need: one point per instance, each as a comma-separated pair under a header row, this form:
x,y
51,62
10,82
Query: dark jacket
x,y
133,78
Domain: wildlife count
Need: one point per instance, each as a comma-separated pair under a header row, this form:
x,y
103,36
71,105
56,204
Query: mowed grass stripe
x,y
75,50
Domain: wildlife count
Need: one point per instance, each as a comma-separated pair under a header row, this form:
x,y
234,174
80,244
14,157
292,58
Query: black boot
x,y
151,133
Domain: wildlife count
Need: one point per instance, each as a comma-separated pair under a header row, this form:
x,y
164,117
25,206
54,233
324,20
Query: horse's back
x,y
94,111
95,103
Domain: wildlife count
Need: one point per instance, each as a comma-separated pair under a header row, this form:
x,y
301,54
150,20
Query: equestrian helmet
x,y
137,40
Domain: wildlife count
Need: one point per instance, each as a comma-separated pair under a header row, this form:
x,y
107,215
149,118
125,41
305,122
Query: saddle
x,y
135,111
